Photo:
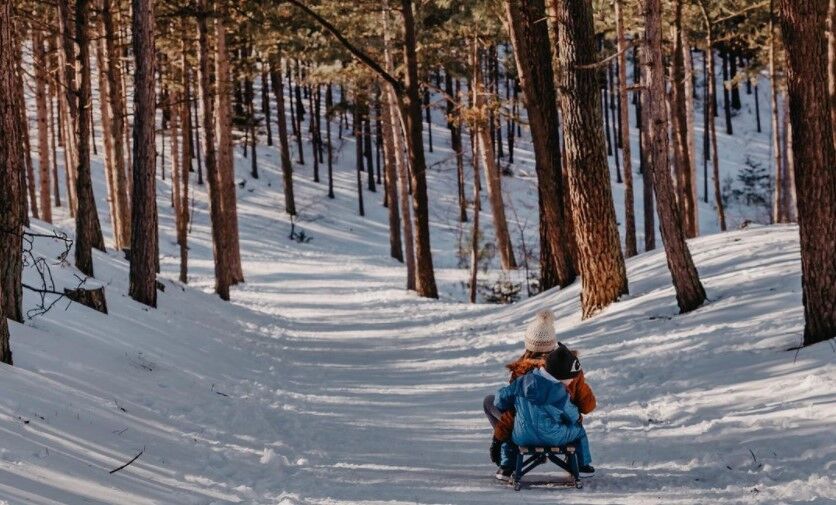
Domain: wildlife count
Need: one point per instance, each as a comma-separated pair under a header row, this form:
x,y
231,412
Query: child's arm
x,y
505,397
582,395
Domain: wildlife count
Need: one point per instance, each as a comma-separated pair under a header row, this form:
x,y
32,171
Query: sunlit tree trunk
x,y
281,120
689,291
493,177
600,261
226,168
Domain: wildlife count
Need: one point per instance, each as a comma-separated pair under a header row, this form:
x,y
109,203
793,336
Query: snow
x,y
325,382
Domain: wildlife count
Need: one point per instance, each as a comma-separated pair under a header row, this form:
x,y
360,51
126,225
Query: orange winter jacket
x,y
579,391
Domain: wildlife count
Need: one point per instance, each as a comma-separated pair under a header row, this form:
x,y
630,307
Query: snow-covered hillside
x,y
325,382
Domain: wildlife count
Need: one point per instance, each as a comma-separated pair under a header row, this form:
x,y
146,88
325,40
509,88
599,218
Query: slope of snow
x,y
324,382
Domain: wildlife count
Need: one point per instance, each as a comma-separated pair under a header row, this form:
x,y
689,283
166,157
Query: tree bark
x,y
778,193
41,97
712,103
11,167
689,96
425,276
601,263
630,248
689,291
185,165
226,167
207,91
493,177
454,125
68,102
88,230
281,120
803,23
530,39
679,115
143,272
121,203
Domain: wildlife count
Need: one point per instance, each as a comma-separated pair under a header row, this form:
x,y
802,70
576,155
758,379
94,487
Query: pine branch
x,y
354,50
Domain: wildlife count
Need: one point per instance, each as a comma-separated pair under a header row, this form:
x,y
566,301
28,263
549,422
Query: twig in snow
x,y
128,463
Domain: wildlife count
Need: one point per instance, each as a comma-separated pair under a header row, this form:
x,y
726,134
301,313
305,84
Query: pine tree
x,y
144,238
600,261
804,28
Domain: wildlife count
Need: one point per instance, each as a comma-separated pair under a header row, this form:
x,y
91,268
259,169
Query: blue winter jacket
x,y
545,415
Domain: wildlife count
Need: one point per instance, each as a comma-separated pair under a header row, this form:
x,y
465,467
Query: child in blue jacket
x,y
545,415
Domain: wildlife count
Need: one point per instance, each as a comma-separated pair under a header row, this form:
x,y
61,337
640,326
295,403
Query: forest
x,y
215,191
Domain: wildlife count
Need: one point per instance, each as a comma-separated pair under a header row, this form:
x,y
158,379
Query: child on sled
x,y
553,412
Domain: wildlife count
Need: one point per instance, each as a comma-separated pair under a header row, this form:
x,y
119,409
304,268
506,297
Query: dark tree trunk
x,y
329,105
735,87
143,277
600,261
265,103
284,147
679,116
689,291
11,166
425,276
208,91
531,51
358,151
88,229
814,152
630,248
724,55
367,145
454,125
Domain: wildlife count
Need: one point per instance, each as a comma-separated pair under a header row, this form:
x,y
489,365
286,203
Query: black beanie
x,y
562,364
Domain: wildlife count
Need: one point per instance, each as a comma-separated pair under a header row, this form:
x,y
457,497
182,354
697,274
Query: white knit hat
x,y
539,336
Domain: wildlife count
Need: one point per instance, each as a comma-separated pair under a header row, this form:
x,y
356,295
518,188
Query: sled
x,y
529,458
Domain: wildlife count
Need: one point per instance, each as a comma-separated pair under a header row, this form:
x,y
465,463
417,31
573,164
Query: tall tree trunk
x,y
493,177
474,235
121,203
265,103
68,102
281,120
367,146
425,276
712,103
88,229
41,97
803,23
530,39
647,177
329,105
104,109
454,125
724,56
601,263
831,64
630,248
11,166
679,115
185,115
300,111
358,149
28,176
143,274
689,291
390,166
226,167
779,194
690,94
207,91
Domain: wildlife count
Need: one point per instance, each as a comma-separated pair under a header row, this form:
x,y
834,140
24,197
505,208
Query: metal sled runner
x,y
529,458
